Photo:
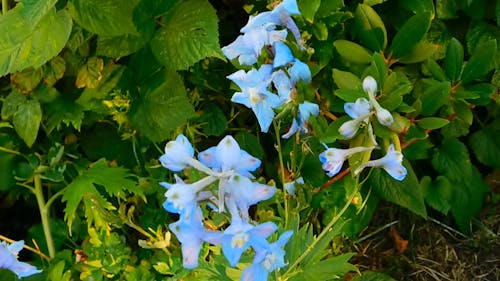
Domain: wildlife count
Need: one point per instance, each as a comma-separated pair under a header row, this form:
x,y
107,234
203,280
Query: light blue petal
x,y
241,98
265,20
299,71
288,6
307,109
349,128
208,158
254,272
397,171
190,254
247,163
293,129
265,115
282,54
360,108
227,152
178,154
283,84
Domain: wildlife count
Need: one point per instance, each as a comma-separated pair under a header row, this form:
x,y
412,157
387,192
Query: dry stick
x,y
38,252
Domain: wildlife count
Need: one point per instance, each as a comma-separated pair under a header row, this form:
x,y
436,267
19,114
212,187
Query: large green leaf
x,y
115,181
438,194
26,121
352,52
452,160
370,28
104,17
434,95
163,107
26,42
410,34
407,193
330,268
481,61
454,59
189,34
485,144
308,8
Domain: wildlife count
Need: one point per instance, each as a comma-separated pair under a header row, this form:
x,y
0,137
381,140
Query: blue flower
x,y
267,259
282,54
247,47
299,71
306,109
177,154
290,186
391,163
190,232
8,259
333,158
181,196
360,112
254,93
383,115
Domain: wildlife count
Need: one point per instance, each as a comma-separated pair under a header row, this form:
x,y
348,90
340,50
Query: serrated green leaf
x,y
481,61
432,123
452,160
329,268
104,17
346,79
352,52
454,59
63,111
412,32
438,194
216,122
485,144
115,181
406,193
370,28
435,95
24,45
189,34
163,107
12,103
26,121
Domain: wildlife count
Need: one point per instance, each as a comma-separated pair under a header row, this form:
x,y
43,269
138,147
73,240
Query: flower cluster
x,y
272,85
361,111
8,259
227,186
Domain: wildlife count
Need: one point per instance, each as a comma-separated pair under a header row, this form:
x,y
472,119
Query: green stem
x,y
322,234
282,170
44,214
5,6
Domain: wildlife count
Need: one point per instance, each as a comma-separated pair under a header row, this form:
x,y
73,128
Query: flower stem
x,y
282,169
5,6
44,214
322,234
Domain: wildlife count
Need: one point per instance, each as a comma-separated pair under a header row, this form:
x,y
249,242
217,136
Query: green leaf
x,y
26,121
370,28
12,103
123,45
485,144
308,9
406,193
216,122
352,52
435,95
27,79
446,9
412,32
463,111
346,79
372,276
115,181
418,6
452,160
468,199
54,70
481,61
163,107
378,70
483,92
104,17
189,34
31,42
63,111
439,194
435,70
454,59
329,268
250,144
432,123
420,52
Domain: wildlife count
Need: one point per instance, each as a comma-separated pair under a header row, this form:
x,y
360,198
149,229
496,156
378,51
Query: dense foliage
x,y
185,140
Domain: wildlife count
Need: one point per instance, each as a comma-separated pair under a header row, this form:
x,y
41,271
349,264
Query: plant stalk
x,y
5,6
44,214
282,170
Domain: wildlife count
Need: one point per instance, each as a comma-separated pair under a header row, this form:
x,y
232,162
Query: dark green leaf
x,y
26,121
446,9
452,160
353,52
63,111
435,70
163,107
350,95
438,194
189,34
12,103
329,8
370,28
410,34
378,70
418,6
420,52
432,123
216,122
485,144
104,17
308,8
483,92
454,59
329,268
250,144
481,61
407,193
463,112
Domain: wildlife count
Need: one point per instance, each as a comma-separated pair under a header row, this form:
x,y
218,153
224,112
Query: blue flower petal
x,y
299,71
282,54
